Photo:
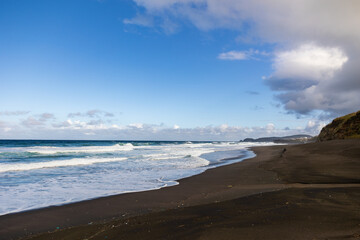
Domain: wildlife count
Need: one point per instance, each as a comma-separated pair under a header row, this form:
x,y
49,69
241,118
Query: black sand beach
x,y
309,191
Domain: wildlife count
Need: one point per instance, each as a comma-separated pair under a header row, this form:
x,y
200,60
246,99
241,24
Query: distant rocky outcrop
x,y
302,138
344,127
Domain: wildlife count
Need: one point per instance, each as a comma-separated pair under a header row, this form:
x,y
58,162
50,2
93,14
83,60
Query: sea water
x,y
41,173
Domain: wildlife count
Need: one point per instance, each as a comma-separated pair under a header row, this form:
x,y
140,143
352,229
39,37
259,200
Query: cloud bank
x,y
47,126
317,44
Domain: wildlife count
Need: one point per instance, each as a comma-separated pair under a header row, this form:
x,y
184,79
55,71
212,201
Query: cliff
x,y
344,127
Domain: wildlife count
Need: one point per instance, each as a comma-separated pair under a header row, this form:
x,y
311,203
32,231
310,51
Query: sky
x,y
176,69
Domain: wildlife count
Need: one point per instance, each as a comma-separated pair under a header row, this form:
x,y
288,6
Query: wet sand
x,y
309,191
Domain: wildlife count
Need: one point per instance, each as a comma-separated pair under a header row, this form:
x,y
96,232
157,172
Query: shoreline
x,y
246,155
266,183
185,193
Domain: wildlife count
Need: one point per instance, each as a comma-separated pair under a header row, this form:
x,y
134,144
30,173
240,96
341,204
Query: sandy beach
x,y
309,191
179,119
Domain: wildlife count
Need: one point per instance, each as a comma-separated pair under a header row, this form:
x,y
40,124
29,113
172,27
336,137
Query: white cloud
x,y
32,122
75,129
141,20
224,127
76,124
3,124
95,113
46,126
306,77
233,55
136,125
314,126
308,62
7,129
37,120
273,20
242,55
323,75
270,128
13,113
46,116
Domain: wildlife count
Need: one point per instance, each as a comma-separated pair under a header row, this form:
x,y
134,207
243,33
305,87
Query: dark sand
x,y
310,191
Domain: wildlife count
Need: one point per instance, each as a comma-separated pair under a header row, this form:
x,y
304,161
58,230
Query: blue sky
x,y
176,70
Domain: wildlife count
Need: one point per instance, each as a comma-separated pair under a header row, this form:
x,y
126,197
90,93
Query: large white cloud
x,y
317,44
277,20
308,62
305,76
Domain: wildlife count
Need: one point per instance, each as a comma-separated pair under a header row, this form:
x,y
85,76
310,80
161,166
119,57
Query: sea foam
x,y
39,174
55,164
83,149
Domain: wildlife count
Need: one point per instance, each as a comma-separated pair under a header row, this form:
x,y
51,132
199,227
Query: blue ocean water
x,y
41,173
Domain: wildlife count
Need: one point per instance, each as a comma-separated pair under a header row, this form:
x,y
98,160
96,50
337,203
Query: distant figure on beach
x,y
283,151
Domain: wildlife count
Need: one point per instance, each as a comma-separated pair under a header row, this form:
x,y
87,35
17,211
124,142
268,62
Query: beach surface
x,y
309,191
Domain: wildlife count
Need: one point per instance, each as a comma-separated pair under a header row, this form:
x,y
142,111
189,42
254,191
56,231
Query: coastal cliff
x,y
344,127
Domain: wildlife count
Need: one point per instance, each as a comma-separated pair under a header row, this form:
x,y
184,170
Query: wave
x,y
48,150
61,172
193,162
54,164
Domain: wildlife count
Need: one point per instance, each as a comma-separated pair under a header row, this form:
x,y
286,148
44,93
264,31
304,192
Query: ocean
x,y
42,173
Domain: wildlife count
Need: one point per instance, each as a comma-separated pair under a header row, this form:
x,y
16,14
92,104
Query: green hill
x,y
344,127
